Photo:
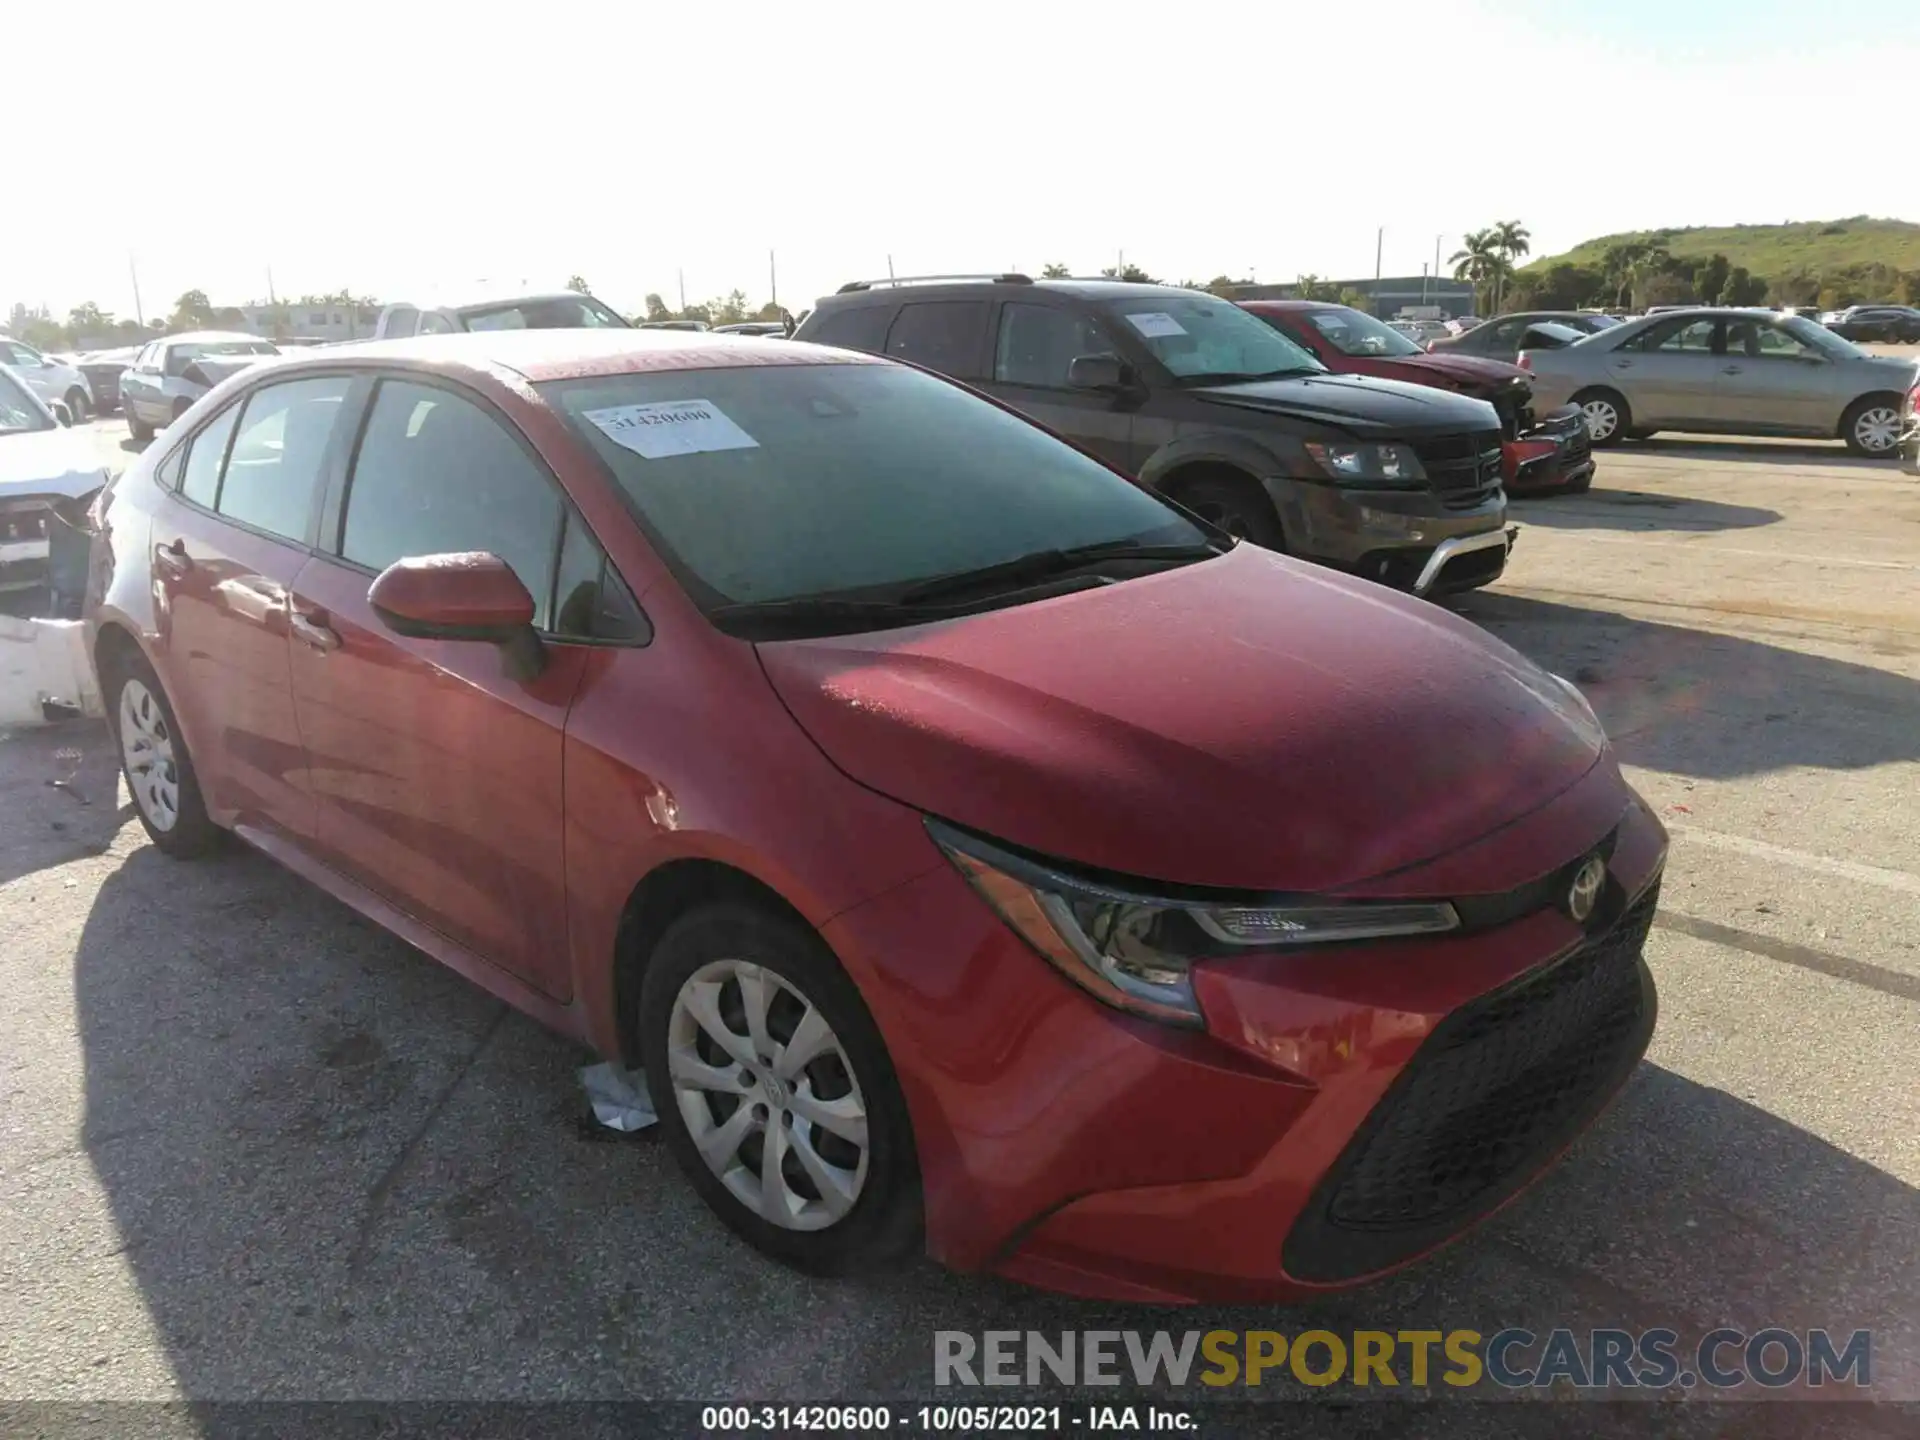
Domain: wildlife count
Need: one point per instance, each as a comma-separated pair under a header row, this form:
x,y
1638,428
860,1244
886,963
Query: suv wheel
x,y
776,1092
1238,507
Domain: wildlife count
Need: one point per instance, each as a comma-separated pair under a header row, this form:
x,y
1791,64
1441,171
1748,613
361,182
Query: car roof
x,y
213,337
1295,306
1086,289
539,355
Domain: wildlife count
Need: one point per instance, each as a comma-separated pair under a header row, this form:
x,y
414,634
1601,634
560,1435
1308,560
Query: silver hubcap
x,y
1602,418
146,745
768,1095
1878,428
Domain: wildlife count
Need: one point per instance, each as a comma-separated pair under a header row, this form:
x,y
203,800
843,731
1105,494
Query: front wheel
x,y
141,432
1239,507
776,1092
1608,418
1872,426
77,406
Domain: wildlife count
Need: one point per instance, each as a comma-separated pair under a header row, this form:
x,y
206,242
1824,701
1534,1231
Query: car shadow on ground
x,y
1612,509
335,1170
1821,452
59,796
1712,706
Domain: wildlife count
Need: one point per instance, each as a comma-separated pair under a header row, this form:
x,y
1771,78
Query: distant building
x,y
1386,297
317,323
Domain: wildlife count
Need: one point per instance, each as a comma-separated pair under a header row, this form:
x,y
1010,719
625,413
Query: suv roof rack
x,y
1005,277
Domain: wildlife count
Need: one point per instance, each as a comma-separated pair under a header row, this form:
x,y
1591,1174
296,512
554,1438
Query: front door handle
x,y
314,630
1623,364
173,559
1730,370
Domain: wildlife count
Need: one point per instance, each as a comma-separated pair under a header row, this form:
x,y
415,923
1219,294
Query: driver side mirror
x,y
473,595
1099,372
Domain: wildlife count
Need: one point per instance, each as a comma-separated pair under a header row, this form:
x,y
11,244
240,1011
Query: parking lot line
x,y
1900,880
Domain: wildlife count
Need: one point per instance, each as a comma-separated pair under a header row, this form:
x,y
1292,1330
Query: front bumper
x,y
1393,536
1555,454
1295,1145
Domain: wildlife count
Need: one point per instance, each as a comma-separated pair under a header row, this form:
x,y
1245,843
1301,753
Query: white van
x,y
547,310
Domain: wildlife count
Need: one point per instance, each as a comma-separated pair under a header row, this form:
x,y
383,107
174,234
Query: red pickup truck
x,y
1551,453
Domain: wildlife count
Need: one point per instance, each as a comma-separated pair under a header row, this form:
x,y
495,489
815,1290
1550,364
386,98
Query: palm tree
x,y
1510,237
1055,271
1480,262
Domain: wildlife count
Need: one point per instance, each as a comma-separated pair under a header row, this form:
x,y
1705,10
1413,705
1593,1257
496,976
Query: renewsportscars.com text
x,y
1512,1358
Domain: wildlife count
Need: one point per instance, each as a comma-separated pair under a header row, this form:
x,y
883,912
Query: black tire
x,y
180,407
1850,426
1616,403
191,834
1240,507
141,432
77,406
885,1222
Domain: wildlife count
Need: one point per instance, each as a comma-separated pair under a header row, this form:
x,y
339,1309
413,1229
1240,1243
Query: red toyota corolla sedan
x,y
976,851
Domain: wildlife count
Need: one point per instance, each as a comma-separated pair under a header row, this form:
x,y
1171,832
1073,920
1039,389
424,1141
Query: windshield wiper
x,y
1042,564
1241,377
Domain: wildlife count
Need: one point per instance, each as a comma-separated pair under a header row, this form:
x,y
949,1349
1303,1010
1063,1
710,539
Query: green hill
x,y
1816,246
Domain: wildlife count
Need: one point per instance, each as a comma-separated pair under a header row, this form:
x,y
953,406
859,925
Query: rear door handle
x,y
173,559
1623,364
314,630
1730,370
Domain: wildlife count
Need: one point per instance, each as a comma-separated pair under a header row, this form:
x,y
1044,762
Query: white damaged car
x,y
49,476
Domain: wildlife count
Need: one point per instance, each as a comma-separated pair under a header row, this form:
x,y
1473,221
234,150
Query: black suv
x,y
1216,410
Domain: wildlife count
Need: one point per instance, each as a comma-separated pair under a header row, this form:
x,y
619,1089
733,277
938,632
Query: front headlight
x,y
1379,464
1136,951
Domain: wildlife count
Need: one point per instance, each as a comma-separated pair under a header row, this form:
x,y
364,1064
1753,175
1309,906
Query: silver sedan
x,y
1726,372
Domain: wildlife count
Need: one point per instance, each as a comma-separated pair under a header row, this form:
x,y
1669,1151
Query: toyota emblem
x,y
1584,893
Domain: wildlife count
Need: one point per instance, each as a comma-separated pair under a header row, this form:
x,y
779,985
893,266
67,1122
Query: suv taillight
x,y
1526,363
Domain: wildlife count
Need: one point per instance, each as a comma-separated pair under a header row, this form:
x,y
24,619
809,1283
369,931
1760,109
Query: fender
x,y
1239,450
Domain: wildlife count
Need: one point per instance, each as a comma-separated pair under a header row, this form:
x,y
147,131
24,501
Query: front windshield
x,y
766,483
1560,335
19,411
1200,337
572,312
1597,323
200,349
1354,332
1817,337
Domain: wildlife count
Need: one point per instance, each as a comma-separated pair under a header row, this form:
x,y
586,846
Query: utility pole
x,y
1120,266
773,282
139,315
1436,263
683,290
1423,282
1379,245
890,267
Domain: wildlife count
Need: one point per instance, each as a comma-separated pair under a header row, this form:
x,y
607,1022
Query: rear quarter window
x,y
857,327
943,335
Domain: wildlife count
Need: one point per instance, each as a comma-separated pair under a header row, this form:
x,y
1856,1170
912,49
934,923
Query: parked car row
x,y
929,809
53,380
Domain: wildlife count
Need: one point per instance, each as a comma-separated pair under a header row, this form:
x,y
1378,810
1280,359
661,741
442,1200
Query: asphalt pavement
x,y
252,1148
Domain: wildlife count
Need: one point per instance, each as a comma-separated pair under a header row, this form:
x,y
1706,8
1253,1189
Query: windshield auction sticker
x,y
670,427
1155,323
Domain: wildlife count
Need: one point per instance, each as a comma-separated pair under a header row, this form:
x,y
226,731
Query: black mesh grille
x,y
1464,470
1495,1090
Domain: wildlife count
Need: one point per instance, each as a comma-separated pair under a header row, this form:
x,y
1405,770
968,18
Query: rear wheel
x,y
77,405
1871,426
180,407
776,1091
1608,419
1239,507
153,757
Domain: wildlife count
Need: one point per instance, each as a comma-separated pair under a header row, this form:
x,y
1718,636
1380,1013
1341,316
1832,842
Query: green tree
x,y
1481,263
1710,278
1133,273
1055,271
657,309
1664,288
1629,264
576,284
1358,299
1744,289
769,311
731,309
89,319
1512,240
1560,286
192,311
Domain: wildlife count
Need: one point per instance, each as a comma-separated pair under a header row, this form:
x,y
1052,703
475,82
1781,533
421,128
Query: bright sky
x,y
405,147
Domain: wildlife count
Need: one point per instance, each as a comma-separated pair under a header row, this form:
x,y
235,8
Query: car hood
x,y
49,462
1474,373
1249,722
1358,403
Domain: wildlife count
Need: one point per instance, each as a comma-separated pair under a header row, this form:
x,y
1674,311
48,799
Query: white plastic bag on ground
x,y
619,1096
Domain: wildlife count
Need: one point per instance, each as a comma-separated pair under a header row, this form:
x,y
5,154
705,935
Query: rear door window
x,y
943,335
1038,343
201,481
